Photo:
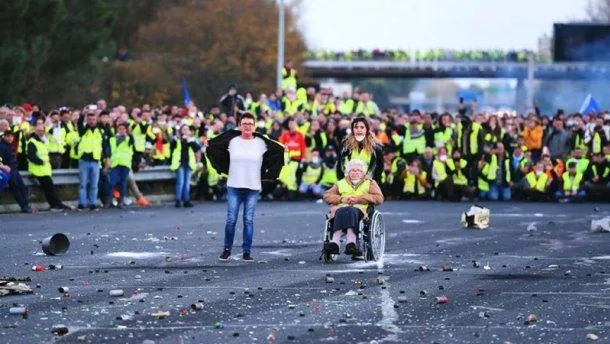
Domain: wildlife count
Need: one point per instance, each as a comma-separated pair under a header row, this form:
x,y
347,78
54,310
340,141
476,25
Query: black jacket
x,y
7,155
375,165
218,153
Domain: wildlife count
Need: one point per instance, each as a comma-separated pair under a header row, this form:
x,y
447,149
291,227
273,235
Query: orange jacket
x,y
533,137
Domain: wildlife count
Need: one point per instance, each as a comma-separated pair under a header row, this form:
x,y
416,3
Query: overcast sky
x,y
424,24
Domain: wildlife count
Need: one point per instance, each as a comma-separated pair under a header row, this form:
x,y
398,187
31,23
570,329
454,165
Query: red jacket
x,y
295,143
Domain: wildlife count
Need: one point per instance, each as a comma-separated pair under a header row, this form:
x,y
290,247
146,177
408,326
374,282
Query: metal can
x,y
56,267
18,311
116,292
197,306
442,299
63,289
423,268
38,268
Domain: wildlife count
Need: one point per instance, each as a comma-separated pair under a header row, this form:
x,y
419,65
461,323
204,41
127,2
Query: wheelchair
x,y
371,237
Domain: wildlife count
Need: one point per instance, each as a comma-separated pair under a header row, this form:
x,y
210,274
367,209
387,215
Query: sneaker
x,y
247,257
143,202
188,204
177,204
353,250
225,255
81,207
331,248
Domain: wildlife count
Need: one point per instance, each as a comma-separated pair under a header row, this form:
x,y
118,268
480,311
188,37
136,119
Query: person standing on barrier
x,y
247,157
122,148
349,200
8,164
39,166
185,157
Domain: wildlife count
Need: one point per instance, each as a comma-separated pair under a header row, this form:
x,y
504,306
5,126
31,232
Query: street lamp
x,y
280,44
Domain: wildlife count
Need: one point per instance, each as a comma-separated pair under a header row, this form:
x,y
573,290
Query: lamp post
x,y
280,44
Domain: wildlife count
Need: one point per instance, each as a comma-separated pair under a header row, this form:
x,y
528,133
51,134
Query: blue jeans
x,y
118,175
580,195
89,174
235,197
183,184
495,193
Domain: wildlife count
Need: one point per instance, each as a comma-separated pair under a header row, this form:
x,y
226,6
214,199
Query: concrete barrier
x,y
156,182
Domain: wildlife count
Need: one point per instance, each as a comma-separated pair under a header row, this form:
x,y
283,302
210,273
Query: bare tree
x,y
599,11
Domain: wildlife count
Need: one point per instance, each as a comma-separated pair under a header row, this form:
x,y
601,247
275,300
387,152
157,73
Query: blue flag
x,y
590,104
185,92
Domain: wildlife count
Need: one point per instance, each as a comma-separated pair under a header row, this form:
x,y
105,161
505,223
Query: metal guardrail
x,y
70,176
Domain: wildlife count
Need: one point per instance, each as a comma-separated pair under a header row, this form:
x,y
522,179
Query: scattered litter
x,y
351,293
532,227
487,267
531,319
58,243
12,286
18,311
63,289
423,268
592,336
402,299
116,292
329,279
160,315
475,264
600,226
553,266
301,262
60,330
484,314
476,217
380,280
56,267
197,306
442,299
38,268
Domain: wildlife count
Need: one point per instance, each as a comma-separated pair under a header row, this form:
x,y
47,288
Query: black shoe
x,y
188,204
177,204
27,210
93,207
81,207
225,255
331,248
353,250
247,257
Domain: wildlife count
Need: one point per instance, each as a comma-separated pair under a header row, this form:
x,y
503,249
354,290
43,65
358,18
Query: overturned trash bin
x,y
56,244
476,217
601,225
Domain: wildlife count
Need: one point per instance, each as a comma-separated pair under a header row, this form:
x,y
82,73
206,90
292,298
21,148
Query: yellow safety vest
x,y
177,154
537,183
329,177
439,172
410,146
311,175
56,145
474,134
442,138
347,107
366,109
490,170
43,153
288,175
91,143
571,183
345,190
139,136
289,78
597,143
458,177
212,173
411,180
121,154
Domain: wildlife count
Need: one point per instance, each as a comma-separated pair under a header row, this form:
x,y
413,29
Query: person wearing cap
x,y
118,165
349,200
39,166
8,167
597,178
571,185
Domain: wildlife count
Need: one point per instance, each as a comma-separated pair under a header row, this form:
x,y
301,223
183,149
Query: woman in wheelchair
x,y
349,200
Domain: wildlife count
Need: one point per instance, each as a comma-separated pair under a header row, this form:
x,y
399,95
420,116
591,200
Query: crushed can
x,y
442,299
56,267
18,311
197,306
423,268
38,268
63,289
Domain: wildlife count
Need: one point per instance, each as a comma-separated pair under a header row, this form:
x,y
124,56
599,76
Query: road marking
x,y
412,221
136,255
551,293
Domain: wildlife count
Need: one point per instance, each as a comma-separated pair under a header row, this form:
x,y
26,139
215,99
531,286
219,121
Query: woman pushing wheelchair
x,y
351,212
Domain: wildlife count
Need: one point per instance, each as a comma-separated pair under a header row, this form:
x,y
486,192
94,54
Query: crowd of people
x,y
452,55
465,155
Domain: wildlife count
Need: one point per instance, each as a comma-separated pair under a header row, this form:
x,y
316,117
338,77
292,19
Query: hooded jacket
x,y
218,153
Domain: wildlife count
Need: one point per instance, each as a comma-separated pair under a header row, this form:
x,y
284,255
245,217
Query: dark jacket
x,y
375,165
218,153
7,155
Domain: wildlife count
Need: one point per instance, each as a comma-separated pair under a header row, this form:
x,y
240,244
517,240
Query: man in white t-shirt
x,y
248,158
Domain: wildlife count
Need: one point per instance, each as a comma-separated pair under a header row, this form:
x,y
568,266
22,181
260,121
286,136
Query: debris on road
x,y
18,311
116,292
56,244
329,279
160,315
423,268
8,286
600,226
38,268
442,299
531,319
476,217
592,336
60,330
197,306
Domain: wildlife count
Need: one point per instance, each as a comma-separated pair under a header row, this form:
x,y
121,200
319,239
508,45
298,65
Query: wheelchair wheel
x,y
375,238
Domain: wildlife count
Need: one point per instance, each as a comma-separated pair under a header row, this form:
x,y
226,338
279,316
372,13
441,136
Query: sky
x,y
426,24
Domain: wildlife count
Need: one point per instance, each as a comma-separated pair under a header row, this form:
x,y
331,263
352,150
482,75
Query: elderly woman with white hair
x,y
349,200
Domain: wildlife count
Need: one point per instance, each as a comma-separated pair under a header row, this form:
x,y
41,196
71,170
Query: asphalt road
x,y
165,259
